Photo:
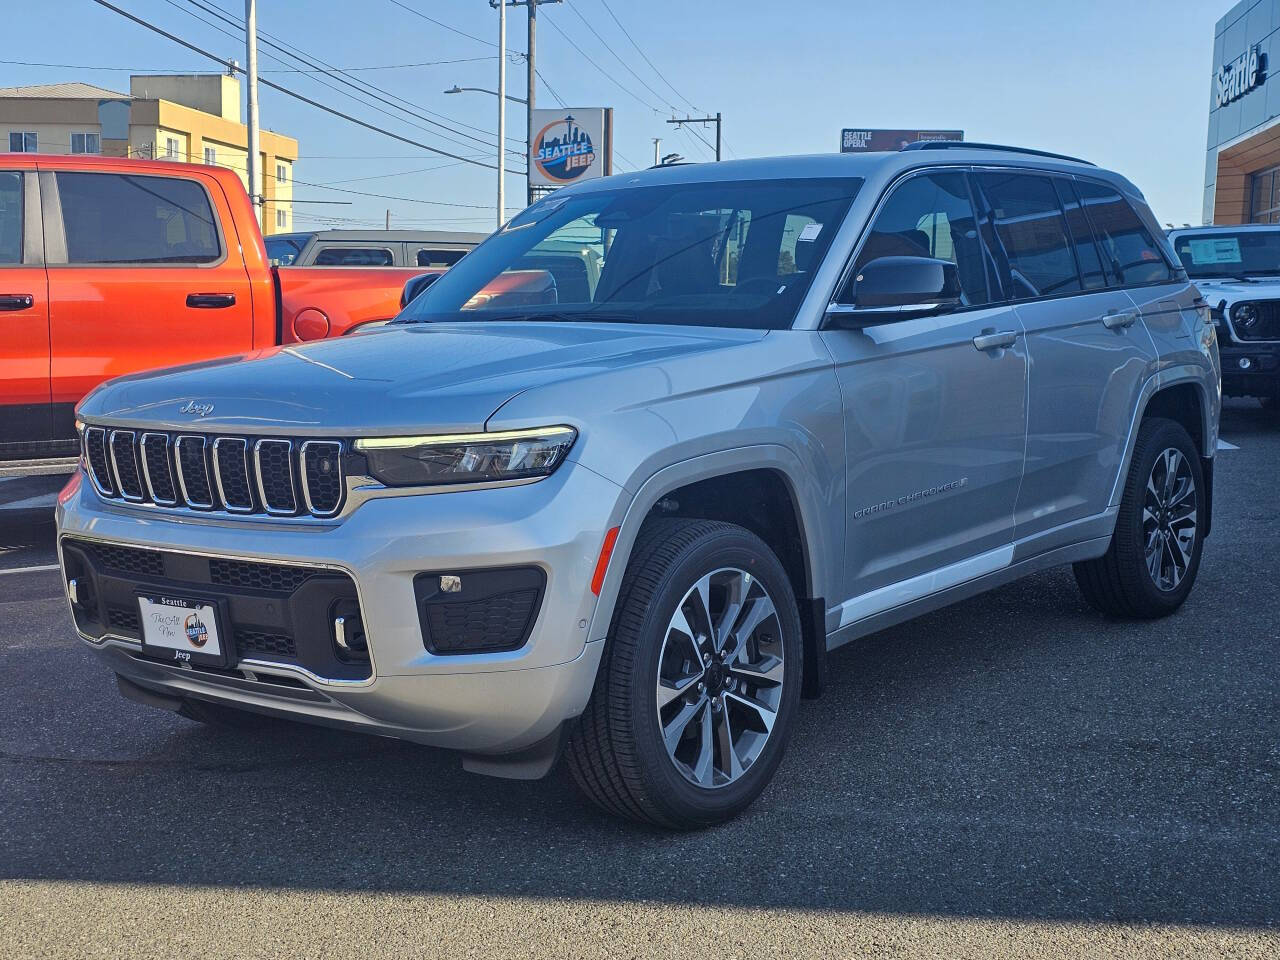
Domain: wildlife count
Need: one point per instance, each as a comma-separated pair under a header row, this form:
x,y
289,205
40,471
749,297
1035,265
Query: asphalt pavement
x,y
1014,776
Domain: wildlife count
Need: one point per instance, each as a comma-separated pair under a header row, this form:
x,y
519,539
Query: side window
x,y
1127,245
354,257
116,218
10,217
931,215
1033,232
1091,273
439,258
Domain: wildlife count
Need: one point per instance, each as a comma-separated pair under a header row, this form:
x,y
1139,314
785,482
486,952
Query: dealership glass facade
x,y
1241,184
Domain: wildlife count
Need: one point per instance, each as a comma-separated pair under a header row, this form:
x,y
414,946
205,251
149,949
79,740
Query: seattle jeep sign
x,y
1238,77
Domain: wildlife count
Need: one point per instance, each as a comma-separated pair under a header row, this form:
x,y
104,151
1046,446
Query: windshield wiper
x,y
588,316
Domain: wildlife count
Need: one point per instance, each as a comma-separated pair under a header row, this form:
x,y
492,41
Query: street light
x,y
492,93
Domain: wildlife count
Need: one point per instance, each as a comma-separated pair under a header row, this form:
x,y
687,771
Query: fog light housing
x,y
1244,363
478,611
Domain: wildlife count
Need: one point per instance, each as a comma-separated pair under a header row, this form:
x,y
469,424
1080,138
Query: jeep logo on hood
x,y
196,408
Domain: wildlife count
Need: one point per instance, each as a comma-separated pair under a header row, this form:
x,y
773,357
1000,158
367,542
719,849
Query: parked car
x,y
804,400
1237,269
371,248
109,266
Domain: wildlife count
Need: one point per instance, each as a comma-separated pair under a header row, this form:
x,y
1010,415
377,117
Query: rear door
x,y
142,274
1089,352
25,415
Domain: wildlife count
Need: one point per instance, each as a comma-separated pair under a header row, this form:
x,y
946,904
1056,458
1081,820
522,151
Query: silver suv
x,y
622,514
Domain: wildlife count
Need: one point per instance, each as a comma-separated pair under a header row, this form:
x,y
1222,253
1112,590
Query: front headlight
x,y
467,457
1245,315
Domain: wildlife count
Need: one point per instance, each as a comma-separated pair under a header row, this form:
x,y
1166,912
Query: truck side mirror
x,y
897,288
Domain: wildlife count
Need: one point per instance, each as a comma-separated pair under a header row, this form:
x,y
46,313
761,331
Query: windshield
x,y
725,254
283,250
1249,253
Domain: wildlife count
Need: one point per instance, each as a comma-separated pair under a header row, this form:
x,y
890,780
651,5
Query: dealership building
x,y
1242,166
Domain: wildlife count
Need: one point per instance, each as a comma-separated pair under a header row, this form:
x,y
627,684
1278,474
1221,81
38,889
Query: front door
x,y
25,418
144,277
935,422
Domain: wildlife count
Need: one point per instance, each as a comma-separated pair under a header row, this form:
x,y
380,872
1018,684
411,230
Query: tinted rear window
x,y
439,258
117,218
1128,249
1031,228
10,218
355,257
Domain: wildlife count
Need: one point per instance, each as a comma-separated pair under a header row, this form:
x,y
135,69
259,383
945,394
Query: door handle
x,y
211,301
995,341
1119,319
16,301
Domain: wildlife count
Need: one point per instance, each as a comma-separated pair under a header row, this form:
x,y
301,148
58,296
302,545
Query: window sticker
x,y
810,232
1214,250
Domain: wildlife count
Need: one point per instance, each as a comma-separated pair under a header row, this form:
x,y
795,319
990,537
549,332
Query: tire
x,y
1123,582
219,715
617,752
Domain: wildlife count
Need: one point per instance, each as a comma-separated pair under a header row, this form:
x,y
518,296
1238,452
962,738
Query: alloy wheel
x,y
1169,519
720,674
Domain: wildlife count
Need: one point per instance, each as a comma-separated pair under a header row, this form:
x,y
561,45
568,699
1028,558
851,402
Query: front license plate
x,y
185,630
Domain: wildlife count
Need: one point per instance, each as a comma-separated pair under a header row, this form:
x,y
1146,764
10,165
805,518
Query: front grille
x,y
495,623
257,576
243,475
1266,328
124,619
251,643
143,563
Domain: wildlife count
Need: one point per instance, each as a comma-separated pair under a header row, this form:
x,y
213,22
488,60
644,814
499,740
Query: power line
x,y
161,71
626,66
440,23
640,51
627,90
290,93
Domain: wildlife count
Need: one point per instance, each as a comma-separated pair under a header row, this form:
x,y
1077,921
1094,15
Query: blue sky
x,y
1124,83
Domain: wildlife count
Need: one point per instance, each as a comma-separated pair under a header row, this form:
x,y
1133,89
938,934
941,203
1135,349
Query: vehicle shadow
x,y
1016,755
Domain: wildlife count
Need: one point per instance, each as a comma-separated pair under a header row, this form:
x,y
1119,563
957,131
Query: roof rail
x,y
962,144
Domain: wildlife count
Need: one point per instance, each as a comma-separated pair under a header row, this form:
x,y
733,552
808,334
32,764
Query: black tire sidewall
x,y
1163,435
681,800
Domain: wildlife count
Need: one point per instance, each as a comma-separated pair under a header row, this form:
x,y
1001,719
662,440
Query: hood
x,y
413,378
1259,288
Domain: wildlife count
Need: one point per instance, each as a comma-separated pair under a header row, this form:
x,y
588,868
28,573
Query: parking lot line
x,y
36,569
1223,445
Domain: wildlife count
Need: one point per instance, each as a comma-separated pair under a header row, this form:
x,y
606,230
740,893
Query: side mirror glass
x,y
898,288
415,286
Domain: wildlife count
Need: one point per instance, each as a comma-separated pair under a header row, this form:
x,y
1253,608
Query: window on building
x,y
930,215
1033,231
282,218
439,258
86,143
172,149
10,217
282,173
22,142
1128,248
115,218
354,257
1264,194
211,156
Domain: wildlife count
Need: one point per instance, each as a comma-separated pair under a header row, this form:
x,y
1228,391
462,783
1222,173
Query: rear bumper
x,y
483,703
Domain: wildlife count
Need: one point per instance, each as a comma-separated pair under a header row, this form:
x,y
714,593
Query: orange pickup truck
x,y
108,266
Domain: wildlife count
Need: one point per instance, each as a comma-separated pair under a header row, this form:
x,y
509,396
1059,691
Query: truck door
x,y
145,271
25,416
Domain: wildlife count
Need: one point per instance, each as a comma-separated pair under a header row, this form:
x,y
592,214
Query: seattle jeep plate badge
x,y
181,630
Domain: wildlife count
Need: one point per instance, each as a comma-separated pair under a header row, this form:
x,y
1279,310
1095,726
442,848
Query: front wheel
x,y
1154,555
700,680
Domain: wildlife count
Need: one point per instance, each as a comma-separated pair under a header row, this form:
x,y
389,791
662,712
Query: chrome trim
x,y
106,454
115,466
257,666
73,591
339,632
182,480
146,469
262,493
217,473
302,472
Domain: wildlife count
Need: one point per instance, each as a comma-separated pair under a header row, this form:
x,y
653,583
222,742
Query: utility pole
x,y
388,219
532,81
251,56
718,120
657,151
502,110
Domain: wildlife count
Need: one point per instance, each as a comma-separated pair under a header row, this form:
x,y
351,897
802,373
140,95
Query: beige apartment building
x,y
190,117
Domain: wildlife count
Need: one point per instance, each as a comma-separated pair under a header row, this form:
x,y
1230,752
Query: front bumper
x,y
487,703
1257,376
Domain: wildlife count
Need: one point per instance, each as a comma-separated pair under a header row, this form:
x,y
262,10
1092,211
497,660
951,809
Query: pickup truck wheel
x,y
700,681
1154,556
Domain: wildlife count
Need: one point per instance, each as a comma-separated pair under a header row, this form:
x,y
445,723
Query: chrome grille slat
x,y
124,465
160,485
275,481
271,476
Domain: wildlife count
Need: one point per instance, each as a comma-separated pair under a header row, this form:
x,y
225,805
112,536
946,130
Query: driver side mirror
x,y
888,289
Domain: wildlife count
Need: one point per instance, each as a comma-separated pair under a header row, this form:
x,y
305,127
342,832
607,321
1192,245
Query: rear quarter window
x,y
1128,248
10,217
122,218
355,257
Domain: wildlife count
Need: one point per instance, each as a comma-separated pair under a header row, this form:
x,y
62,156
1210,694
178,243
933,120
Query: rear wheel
x,y
700,681
1154,555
